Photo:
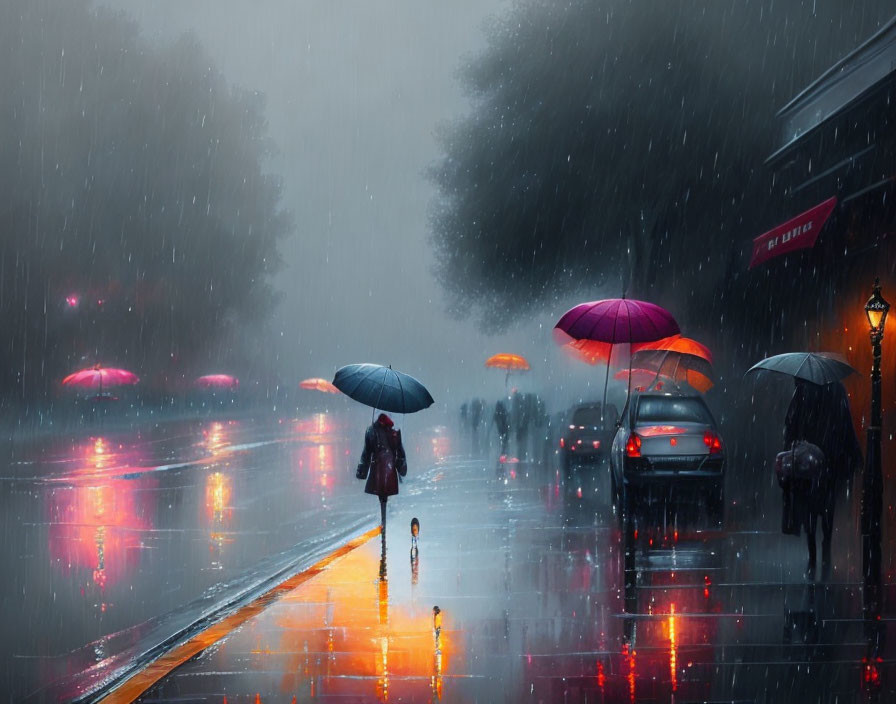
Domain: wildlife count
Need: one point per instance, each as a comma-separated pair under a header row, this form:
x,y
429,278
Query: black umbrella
x,y
815,367
382,387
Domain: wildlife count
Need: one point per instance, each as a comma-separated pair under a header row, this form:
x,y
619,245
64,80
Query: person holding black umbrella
x,y
382,461
818,417
819,414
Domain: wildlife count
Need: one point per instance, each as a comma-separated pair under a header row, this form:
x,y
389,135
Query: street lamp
x,y
876,310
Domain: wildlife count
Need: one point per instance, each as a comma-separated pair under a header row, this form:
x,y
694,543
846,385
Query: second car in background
x,y
587,433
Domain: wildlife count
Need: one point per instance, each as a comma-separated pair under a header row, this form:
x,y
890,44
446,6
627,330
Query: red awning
x,y
798,233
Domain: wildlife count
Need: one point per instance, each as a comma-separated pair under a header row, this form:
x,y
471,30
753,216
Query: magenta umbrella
x,y
217,381
98,377
616,321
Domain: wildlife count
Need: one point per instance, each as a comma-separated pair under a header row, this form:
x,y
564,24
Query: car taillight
x,y
713,442
562,442
633,446
595,444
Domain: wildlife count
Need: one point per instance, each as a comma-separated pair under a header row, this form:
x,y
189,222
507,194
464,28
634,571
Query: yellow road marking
x,y
135,685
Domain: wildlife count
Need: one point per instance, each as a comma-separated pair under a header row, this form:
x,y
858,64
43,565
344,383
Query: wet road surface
x,y
119,539
544,597
122,540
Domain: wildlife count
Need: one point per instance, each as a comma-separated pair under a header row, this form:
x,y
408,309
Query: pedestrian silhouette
x,y
820,415
519,413
502,425
382,462
477,406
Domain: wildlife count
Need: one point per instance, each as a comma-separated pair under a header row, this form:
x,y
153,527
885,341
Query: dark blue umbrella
x,y
816,368
382,387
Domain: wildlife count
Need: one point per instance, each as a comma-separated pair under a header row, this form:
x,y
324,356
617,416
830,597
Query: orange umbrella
x,y
677,343
317,384
699,381
510,362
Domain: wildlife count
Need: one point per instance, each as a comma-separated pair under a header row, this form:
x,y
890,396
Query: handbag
x,y
802,474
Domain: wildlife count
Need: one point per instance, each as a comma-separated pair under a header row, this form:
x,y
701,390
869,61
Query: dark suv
x,y
588,433
668,447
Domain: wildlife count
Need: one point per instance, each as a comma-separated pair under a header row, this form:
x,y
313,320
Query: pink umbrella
x,y
616,321
217,381
98,377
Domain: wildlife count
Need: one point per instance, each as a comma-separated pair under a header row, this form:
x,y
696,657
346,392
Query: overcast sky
x,y
355,92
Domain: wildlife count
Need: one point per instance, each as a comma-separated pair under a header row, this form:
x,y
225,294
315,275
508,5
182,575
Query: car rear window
x,y
657,409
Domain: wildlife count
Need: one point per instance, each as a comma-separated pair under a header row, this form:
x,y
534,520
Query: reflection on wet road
x,y
543,596
543,592
118,539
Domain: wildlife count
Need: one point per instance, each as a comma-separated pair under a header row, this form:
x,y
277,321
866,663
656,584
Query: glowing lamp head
x,y
876,310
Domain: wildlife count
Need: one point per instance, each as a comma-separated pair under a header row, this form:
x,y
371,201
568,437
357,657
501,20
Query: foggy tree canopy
x,y
131,179
614,144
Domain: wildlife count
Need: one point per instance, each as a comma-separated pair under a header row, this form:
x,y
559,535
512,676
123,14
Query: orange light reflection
x,y
218,509
673,650
217,440
368,642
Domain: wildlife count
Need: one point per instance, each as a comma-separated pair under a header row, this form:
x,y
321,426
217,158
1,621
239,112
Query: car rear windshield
x,y
658,409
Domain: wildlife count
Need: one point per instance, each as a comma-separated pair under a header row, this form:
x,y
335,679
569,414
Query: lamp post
x,y
872,482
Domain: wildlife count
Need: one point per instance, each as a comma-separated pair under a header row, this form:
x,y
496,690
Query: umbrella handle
x,y
603,408
382,386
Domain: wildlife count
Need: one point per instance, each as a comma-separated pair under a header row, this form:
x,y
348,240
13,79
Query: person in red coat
x,y
382,461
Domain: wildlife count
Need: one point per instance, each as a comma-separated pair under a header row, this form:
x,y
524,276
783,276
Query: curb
x,y
135,684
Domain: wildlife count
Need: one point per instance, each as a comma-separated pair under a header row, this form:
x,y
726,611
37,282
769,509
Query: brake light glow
x,y
595,444
713,442
633,446
651,431
562,442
